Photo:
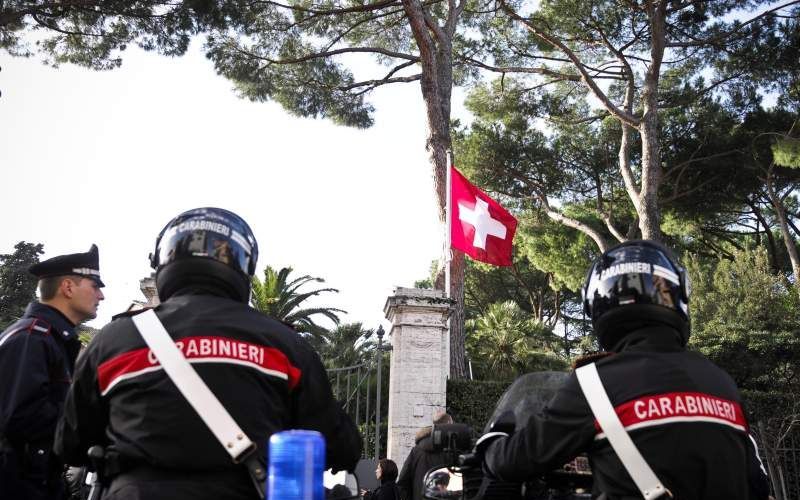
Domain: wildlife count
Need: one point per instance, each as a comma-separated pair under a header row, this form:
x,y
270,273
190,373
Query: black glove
x,y
483,444
486,440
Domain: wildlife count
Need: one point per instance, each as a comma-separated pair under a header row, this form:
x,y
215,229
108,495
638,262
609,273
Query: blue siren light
x,y
296,465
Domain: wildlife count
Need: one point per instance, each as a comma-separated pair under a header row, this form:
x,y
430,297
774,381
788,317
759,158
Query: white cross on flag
x,y
480,227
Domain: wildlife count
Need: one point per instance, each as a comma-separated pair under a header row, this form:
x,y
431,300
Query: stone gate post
x,y
420,364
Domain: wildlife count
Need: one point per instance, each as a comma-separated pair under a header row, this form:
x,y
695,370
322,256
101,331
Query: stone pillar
x,y
420,364
148,287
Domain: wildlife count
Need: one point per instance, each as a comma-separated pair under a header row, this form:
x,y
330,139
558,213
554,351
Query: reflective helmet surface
x,y
636,281
205,247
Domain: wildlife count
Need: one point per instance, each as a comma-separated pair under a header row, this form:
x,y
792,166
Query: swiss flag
x,y
479,227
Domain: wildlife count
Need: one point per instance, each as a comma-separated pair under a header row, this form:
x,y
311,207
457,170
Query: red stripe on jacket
x,y
674,407
200,349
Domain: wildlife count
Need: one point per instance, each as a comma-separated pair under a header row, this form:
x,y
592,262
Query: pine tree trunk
x,y
788,240
458,351
436,84
648,210
438,144
772,246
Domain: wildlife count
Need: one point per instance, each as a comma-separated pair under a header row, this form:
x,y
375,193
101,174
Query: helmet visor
x,y
634,275
205,237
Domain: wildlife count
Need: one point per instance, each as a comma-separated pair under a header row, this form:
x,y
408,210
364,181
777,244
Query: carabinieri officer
x,y
37,358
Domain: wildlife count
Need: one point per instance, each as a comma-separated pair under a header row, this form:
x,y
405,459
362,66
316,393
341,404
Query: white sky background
x,y
110,157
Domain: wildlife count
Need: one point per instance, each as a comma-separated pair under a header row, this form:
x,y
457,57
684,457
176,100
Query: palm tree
x,y
505,343
279,297
346,345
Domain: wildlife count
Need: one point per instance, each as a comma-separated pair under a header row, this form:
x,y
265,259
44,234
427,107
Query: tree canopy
x,y
745,319
17,285
637,61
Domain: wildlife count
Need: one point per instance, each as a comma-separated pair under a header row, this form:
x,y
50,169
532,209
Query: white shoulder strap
x,y
196,392
618,437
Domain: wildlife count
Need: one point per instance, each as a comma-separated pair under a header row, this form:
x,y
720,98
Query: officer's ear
x,y
68,285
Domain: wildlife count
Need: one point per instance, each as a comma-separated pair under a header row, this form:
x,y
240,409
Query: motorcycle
x,y
87,485
463,478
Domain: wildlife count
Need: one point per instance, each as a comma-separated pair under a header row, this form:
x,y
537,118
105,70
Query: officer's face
x,y
86,297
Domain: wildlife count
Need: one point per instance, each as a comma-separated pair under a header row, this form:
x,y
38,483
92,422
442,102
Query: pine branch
x,y
622,115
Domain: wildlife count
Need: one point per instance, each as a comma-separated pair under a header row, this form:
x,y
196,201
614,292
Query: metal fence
x,y
352,386
789,467
362,391
780,452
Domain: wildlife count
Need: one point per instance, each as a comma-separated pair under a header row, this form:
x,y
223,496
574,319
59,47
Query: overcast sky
x,y
109,158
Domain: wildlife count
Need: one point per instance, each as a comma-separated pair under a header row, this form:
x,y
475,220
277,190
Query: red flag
x,y
480,227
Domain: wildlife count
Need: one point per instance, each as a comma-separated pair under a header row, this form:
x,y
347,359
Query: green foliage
x,y
557,249
521,283
280,297
270,51
771,63
472,401
431,279
346,345
745,319
314,88
364,398
712,189
424,283
17,285
502,151
766,405
94,33
727,207
713,72
703,154
505,342
786,152
367,432
86,334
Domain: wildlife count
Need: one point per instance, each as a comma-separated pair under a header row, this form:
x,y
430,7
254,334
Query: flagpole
x,y
448,252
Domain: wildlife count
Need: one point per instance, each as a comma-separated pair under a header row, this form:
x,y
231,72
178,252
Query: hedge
x,y
761,405
472,402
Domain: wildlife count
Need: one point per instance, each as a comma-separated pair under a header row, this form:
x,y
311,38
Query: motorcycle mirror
x,y
442,483
454,437
341,485
506,422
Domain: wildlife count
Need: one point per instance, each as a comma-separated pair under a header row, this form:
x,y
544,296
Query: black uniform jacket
x,y
420,460
683,413
266,376
37,356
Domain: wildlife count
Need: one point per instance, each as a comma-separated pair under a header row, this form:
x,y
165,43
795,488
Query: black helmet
x,y
637,282
207,247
